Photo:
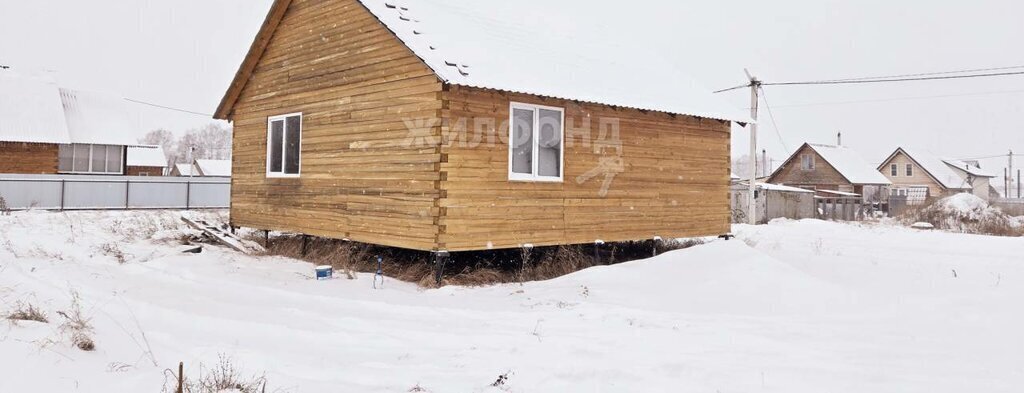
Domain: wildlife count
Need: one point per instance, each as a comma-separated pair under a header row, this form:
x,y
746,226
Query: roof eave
x,y
259,45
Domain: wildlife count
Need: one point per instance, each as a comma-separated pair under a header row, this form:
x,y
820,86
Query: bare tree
x,y
164,139
212,141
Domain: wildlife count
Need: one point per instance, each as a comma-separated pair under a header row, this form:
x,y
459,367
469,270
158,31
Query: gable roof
x,y
969,168
151,156
943,172
97,118
850,165
183,169
215,168
31,109
35,109
475,43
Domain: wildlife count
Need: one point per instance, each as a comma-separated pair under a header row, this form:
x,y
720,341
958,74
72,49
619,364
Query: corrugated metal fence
x,y
83,192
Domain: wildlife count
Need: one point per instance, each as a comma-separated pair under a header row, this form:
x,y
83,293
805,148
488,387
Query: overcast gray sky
x,y
183,53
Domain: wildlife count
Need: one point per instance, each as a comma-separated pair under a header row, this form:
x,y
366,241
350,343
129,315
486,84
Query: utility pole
x,y
755,85
1009,186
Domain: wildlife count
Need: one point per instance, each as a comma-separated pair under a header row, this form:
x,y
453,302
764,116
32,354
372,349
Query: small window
x,y
910,170
894,170
807,162
536,151
284,145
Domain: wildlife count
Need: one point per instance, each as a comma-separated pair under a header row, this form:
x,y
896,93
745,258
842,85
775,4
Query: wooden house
x,y
920,176
46,129
449,126
833,170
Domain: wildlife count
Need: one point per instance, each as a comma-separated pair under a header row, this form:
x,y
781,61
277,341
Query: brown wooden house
x,y
836,170
444,126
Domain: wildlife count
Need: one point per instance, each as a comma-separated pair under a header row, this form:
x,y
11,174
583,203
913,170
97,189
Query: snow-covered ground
x,y
789,307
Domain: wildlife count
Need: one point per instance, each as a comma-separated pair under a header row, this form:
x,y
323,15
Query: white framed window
x,y
284,145
536,143
910,170
894,170
807,162
91,159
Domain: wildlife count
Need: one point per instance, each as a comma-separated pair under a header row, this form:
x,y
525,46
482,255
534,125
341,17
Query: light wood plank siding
x,y
675,183
28,158
823,177
356,85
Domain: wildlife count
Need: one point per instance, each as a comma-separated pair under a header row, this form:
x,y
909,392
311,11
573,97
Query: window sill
x,y
281,176
536,180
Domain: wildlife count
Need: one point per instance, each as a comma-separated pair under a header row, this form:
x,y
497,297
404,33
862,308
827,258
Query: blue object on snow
x,y
324,272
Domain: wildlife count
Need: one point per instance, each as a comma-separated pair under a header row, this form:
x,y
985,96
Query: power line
x,y
899,99
853,82
896,78
932,73
168,108
772,117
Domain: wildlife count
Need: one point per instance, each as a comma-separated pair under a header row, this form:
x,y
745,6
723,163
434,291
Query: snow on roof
x,y
840,193
97,118
217,168
779,187
850,164
481,44
30,109
971,169
937,169
183,169
147,156
33,108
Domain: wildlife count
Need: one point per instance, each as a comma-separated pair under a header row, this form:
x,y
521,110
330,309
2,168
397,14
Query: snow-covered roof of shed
x,y
935,168
779,187
30,109
183,169
152,156
850,164
972,170
217,168
480,44
97,118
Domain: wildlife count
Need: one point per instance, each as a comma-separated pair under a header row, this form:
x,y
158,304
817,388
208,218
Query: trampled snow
x,y
804,306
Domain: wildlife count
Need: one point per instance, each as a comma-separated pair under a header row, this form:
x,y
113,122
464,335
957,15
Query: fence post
x,y
127,192
181,377
63,183
188,194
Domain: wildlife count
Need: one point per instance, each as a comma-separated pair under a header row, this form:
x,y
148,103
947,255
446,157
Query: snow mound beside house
x,y
969,214
967,206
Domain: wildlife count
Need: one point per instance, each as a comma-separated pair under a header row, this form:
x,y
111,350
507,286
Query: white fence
x,y
84,192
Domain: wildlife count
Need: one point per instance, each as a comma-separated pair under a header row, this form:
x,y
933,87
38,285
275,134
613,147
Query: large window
x,y
536,150
96,159
284,145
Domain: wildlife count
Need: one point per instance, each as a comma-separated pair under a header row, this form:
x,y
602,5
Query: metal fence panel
x,y
95,195
210,195
157,195
28,194
84,192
